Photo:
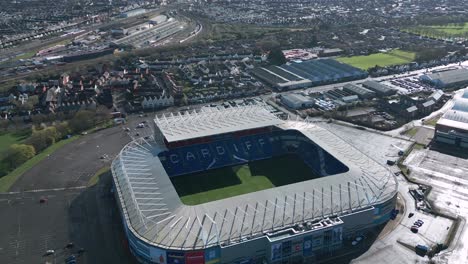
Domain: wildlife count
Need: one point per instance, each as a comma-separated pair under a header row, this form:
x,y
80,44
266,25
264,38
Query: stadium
x,y
239,185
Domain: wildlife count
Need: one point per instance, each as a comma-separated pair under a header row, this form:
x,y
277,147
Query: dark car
x,y
414,229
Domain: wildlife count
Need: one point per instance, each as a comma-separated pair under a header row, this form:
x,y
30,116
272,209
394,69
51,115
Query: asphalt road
x,y
75,163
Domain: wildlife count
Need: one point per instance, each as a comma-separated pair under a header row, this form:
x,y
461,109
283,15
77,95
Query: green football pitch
x,y
216,184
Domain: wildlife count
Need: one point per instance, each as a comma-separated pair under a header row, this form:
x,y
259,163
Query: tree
x,y
83,119
62,129
17,154
41,139
276,56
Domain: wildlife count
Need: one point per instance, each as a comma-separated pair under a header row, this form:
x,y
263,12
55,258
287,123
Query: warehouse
x,y
302,74
452,127
378,88
447,79
361,92
297,101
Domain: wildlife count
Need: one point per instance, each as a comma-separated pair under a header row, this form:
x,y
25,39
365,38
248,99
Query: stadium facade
x,y
295,223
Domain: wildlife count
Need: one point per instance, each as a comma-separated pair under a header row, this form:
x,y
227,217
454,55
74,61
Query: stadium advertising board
x,y
307,248
158,255
297,247
276,251
212,256
195,257
175,258
286,252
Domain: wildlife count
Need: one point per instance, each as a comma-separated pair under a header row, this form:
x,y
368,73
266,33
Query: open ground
x,y
441,31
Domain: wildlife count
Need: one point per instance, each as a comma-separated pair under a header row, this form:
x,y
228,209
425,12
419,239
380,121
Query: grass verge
x,y
8,180
95,179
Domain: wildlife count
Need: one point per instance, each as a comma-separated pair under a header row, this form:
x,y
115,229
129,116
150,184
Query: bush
x,y
83,119
41,139
63,129
18,154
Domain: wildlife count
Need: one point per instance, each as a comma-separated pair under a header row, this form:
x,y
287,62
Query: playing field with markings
x,y
217,184
394,57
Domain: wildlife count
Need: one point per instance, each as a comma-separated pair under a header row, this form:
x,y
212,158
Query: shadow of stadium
x,y
95,225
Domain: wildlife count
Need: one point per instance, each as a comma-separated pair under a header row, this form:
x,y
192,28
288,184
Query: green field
x,y
7,139
198,188
441,31
394,57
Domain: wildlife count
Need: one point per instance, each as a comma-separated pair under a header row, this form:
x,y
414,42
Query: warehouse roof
x,y
155,214
378,87
358,89
213,121
450,77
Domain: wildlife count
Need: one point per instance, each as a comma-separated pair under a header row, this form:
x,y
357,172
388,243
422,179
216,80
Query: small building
x,y
330,52
297,101
350,99
378,88
447,79
133,12
437,96
361,92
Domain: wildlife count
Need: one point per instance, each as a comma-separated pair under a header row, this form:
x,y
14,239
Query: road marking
x,y
49,190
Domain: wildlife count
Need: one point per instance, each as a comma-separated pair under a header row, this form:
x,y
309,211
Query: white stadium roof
x,y
213,121
155,214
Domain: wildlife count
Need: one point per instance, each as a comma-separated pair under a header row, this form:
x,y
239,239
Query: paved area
x,y
386,249
448,176
75,163
87,217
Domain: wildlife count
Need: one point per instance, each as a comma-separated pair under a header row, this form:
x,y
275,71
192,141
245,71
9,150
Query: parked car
x,y
414,229
49,252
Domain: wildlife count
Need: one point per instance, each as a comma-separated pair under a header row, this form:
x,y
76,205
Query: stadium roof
x,y
450,77
213,121
155,214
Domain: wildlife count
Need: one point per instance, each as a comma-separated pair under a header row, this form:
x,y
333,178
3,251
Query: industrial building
x,y
301,222
133,12
152,34
452,127
378,88
302,74
297,101
361,92
447,79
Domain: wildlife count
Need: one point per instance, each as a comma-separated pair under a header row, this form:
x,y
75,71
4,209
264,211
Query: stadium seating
x,y
239,150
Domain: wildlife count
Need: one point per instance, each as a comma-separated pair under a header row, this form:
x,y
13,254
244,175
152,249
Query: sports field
x,y
198,188
394,57
441,31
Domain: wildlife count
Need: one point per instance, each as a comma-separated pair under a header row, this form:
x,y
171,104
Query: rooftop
x,y
457,116
213,121
449,77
